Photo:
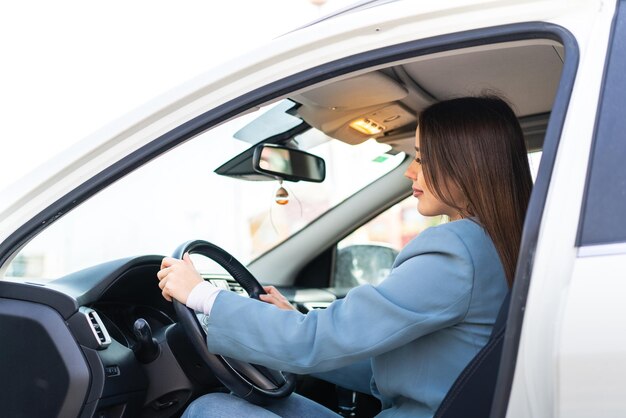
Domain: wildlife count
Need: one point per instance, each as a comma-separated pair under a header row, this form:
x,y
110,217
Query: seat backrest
x,y
471,394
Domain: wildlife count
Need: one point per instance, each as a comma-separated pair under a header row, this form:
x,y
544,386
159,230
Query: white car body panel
x,y
592,339
540,382
571,350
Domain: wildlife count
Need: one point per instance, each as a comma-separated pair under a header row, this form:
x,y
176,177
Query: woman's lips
x,y
417,192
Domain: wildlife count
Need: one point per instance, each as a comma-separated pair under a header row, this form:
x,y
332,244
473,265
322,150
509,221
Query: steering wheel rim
x,y
254,383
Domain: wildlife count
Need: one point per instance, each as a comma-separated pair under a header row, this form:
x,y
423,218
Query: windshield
x,y
178,197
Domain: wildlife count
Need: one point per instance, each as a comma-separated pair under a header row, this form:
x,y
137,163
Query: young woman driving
x,y
407,339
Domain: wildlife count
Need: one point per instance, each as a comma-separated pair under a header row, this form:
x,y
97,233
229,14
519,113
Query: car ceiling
x,y
526,73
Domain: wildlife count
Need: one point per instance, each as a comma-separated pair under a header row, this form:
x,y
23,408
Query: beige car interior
x,y
382,104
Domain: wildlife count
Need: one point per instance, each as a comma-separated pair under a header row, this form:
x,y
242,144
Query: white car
x,y
81,239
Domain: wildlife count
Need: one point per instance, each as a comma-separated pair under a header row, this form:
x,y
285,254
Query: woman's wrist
x,y
202,297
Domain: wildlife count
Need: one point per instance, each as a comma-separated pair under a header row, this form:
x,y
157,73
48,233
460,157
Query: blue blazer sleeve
x,y
429,288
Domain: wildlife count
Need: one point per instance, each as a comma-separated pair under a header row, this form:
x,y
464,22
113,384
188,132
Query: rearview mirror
x,y
288,163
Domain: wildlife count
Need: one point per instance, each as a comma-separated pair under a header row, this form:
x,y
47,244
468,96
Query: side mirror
x,y
363,263
288,163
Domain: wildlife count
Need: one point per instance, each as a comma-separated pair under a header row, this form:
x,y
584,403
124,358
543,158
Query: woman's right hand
x,y
276,298
177,278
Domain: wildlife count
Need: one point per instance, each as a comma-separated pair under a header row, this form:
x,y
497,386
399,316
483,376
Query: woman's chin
x,y
426,211
423,211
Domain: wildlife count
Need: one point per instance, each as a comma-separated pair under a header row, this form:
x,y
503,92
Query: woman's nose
x,y
410,173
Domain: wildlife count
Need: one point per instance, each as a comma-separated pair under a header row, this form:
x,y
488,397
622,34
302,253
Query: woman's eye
x,y
418,160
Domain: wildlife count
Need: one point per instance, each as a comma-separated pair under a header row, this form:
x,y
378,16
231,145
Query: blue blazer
x,y
411,335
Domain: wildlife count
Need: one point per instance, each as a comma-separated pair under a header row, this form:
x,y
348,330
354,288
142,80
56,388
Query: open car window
x,y
179,197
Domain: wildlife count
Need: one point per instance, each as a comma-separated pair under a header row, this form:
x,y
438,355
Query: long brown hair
x,y
476,145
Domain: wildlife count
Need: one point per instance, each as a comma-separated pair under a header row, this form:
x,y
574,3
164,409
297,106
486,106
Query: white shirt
x,y
202,297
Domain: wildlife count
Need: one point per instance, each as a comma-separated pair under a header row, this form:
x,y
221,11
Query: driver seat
x,y
471,395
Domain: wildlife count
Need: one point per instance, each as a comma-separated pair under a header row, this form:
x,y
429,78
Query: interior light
x,y
367,126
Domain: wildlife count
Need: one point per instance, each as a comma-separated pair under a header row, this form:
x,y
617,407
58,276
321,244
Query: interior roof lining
x,y
524,72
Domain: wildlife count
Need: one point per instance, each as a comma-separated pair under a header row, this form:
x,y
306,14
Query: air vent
x,y
97,327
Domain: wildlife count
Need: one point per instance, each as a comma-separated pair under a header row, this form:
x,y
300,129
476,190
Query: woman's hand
x,y
177,278
276,298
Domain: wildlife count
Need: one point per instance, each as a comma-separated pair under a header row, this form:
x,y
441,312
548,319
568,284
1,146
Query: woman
x,y
415,332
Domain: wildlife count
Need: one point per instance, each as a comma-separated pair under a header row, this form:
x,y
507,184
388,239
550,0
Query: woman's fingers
x,y
169,261
271,290
276,298
163,272
269,299
187,259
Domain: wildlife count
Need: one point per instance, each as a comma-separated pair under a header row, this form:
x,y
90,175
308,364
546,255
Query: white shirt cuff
x,y
202,297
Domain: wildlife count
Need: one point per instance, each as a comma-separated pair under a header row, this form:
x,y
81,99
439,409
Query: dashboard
x,y
90,319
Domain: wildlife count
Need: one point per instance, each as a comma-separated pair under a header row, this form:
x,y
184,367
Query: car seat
x,y
471,395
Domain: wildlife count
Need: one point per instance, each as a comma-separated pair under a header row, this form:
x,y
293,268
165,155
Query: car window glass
x,y
605,200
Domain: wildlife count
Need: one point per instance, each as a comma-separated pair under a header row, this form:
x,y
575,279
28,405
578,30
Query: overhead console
x,y
356,109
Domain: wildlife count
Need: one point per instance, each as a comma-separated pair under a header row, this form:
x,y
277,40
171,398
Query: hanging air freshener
x,y
282,196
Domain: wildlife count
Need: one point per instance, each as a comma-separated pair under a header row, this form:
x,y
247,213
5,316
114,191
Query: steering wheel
x,y
254,383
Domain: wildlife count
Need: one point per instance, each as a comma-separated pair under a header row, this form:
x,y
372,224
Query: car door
x,y
563,366
591,354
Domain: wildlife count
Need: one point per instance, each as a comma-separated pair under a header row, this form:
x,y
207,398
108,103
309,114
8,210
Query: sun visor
x,y
358,125
356,109
354,93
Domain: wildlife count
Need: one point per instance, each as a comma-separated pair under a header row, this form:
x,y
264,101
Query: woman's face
x,y
427,203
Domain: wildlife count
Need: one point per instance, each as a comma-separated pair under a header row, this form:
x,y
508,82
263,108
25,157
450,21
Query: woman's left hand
x,y
276,298
177,278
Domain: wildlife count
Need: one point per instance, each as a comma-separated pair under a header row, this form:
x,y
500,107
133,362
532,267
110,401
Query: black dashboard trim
x,y
50,368
64,304
68,293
